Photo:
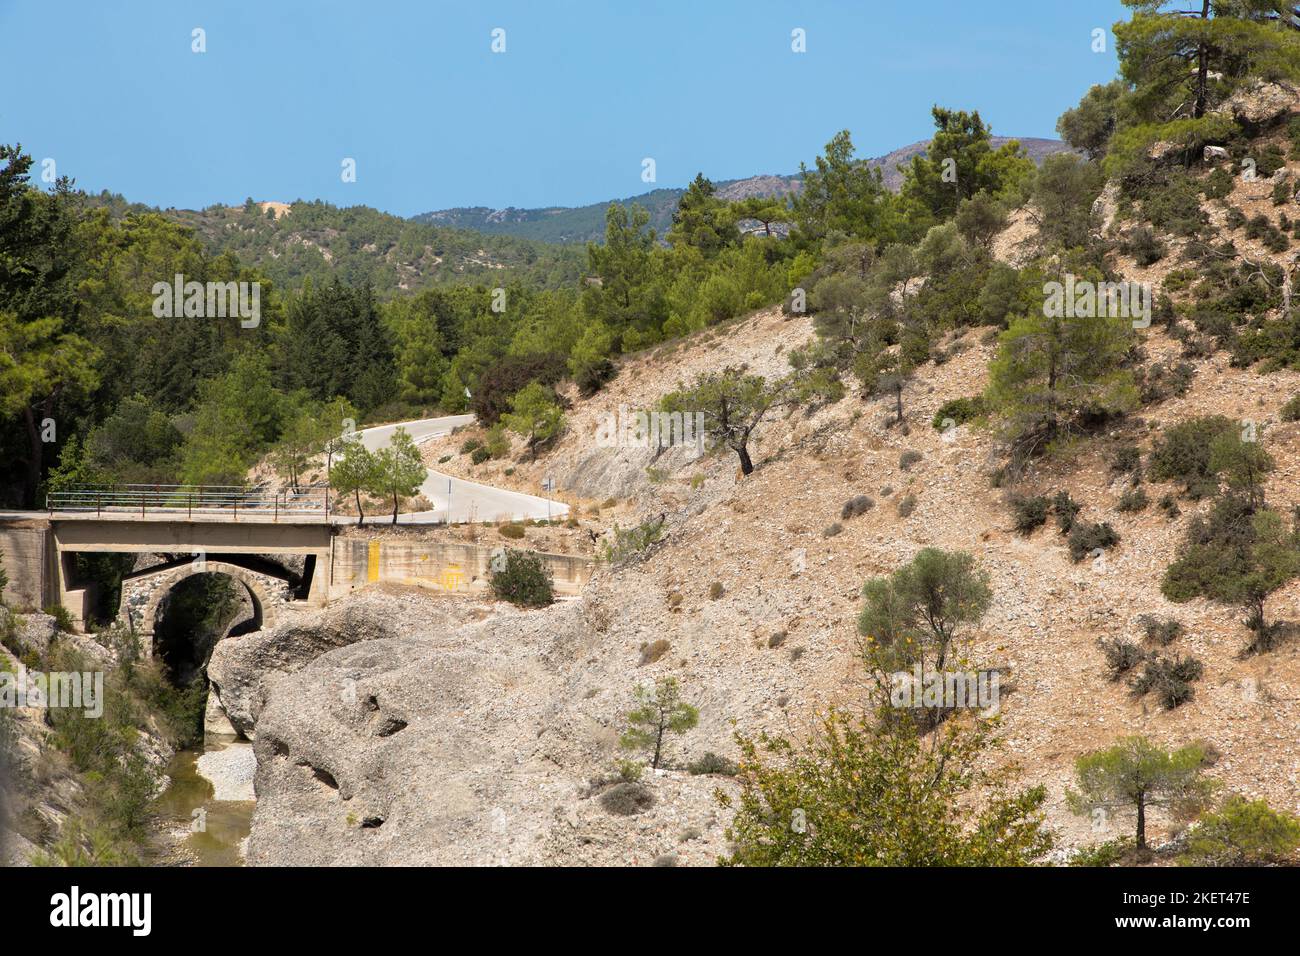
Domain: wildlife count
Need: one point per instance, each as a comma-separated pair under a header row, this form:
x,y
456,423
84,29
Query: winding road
x,y
462,500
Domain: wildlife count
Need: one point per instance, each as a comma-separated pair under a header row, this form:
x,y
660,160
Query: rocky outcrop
x,y
32,632
1261,104
490,743
620,472
239,665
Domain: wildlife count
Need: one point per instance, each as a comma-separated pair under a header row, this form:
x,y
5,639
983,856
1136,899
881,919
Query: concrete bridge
x,y
39,551
39,557
231,530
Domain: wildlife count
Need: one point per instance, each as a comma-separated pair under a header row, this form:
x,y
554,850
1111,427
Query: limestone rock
x,y
240,664
1261,103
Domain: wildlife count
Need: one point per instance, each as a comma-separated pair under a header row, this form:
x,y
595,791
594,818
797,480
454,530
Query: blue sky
x,y
585,90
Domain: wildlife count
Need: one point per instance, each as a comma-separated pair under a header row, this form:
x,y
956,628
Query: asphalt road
x,y
465,500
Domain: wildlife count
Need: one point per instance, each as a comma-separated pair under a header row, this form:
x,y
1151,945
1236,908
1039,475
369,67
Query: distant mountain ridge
x,y
581,224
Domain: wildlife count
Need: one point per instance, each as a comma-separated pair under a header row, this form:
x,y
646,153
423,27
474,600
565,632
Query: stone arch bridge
x,y
144,592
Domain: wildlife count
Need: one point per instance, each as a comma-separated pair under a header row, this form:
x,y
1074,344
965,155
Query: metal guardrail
x,y
229,501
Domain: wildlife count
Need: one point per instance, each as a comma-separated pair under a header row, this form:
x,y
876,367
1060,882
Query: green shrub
x,y
1243,833
512,530
1121,656
1160,631
470,445
630,771
1128,459
857,505
1182,453
498,442
716,590
522,578
1087,538
907,459
1268,161
1170,678
832,529
633,542
1291,410
1144,246
62,617
1218,185
959,411
1168,505
906,505
479,455
711,763
1175,205
1159,381
1109,853
1066,510
1261,228
1283,191
1028,513
1134,499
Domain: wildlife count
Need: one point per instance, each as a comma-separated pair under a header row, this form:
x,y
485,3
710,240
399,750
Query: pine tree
x,y
659,712
1135,774
397,470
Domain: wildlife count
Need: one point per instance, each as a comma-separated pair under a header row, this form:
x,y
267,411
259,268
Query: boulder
x,y
216,723
1213,154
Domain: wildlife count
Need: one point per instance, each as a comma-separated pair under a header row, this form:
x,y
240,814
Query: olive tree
x,y
733,404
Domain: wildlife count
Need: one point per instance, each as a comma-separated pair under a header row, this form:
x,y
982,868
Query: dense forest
x,y
357,244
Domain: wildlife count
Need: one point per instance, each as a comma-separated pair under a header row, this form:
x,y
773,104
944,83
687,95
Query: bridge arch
x,y
143,594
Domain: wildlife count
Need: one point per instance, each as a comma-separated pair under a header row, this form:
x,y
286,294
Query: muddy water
x,y
194,829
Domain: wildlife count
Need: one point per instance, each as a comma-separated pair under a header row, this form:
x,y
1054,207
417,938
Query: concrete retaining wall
x,y
27,557
439,565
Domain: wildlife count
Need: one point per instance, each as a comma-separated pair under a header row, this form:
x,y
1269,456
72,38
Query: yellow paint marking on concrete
x,y
372,563
451,577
